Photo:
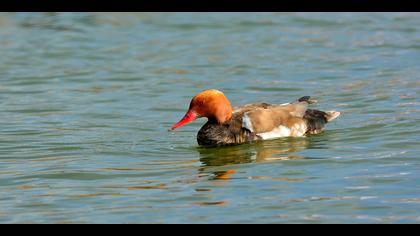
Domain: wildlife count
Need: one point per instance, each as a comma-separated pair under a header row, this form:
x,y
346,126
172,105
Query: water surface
x,y
86,100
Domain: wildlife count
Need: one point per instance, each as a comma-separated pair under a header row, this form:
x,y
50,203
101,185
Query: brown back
x,y
265,117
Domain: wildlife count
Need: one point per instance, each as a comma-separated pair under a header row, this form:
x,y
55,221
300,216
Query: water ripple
x,y
86,100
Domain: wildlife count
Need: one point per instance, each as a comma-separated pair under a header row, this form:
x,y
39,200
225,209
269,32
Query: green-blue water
x,y
86,100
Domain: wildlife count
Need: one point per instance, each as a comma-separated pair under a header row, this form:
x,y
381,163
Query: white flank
x,y
279,132
299,130
246,122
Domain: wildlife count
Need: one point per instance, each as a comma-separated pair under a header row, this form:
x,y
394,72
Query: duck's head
x,y
212,104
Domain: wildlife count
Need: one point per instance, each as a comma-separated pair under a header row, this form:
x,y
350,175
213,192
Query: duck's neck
x,y
222,115
214,121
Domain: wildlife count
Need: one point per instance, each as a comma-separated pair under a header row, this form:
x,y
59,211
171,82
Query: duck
x,y
252,122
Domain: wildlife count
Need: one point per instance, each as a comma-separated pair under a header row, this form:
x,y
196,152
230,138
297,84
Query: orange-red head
x,y
212,104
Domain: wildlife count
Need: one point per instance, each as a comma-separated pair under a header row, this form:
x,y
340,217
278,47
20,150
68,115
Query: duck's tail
x,y
316,119
331,115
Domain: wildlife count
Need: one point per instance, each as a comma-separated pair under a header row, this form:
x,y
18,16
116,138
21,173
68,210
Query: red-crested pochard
x,y
257,121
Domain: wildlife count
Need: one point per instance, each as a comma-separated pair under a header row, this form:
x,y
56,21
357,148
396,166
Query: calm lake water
x,y
86,100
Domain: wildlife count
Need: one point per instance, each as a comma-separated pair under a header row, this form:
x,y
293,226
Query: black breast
x,y
229,133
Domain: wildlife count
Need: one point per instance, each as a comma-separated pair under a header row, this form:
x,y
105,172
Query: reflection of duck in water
x,y
260,152
218,161
258,121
